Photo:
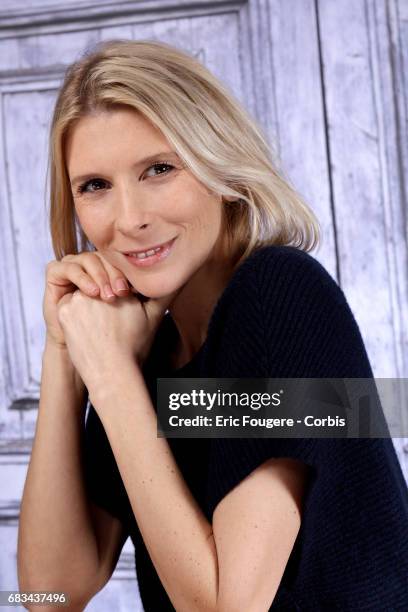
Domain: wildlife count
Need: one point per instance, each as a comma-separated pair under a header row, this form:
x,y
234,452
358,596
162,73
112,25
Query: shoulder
x,y
278,260
285,274
284,313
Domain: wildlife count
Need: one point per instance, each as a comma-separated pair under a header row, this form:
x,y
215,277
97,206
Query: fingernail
x,y
121,285
108,291
92,288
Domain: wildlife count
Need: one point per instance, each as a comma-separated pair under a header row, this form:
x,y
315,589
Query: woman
x,y
193,262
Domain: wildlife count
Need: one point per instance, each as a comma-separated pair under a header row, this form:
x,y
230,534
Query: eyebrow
x,y
145,160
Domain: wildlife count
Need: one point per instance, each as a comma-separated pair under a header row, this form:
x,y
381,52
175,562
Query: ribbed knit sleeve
x,y
286,317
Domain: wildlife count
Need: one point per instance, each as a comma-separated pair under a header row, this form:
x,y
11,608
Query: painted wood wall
x,y
326,79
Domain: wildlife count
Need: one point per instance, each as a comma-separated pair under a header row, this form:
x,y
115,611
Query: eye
x,y
96,184
168,168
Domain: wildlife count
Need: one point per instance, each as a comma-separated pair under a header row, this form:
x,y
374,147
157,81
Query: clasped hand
x,y
101,336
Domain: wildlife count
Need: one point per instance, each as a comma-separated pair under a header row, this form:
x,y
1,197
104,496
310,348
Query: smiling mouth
x,y
142,254
150,256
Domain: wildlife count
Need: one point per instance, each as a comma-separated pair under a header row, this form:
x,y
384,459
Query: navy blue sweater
x,y
282,315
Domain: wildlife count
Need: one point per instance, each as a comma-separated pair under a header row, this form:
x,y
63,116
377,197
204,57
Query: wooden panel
x,y
356,147
94,14
8,559
297,90
396,18
4,365
35,55
329,88
9,290
361,51
26,136
200,36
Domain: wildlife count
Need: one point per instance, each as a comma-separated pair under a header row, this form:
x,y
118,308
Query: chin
x,y
163,284
151,295
153,291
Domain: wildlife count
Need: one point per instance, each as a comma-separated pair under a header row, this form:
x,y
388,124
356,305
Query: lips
x,y
149,248
156,257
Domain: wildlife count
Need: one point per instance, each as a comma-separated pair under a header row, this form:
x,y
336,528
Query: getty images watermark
x,y
282,407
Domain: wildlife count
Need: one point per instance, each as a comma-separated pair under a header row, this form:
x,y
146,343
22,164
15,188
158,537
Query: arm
x,y
59,551
196,566
255,527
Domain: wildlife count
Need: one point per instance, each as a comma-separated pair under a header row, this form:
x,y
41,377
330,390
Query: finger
x,y
117,279
65,299
110,280
94,267
63,273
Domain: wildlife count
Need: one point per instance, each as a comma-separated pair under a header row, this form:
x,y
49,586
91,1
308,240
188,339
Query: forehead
x,y
107,134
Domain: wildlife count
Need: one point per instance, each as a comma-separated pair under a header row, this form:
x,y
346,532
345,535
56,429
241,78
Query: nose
x,y
132,211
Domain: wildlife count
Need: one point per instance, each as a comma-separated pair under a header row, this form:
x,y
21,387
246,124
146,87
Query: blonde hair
x,y
207,126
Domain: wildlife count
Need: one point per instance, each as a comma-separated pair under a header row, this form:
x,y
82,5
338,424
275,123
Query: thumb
x,y
67,297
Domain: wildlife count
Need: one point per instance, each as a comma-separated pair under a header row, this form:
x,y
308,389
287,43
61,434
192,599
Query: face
x,y
128,203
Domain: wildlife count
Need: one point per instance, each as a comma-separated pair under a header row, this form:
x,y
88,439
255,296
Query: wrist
x,y
115,383
52,344
57,357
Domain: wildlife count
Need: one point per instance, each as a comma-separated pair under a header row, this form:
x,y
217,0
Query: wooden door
x,y
324,78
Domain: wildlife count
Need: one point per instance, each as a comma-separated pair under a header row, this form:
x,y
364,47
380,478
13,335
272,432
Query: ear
x,y
229,198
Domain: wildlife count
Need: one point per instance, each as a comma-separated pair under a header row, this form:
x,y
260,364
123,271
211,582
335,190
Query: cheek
x,y
194,206
199,211
94,224
208,218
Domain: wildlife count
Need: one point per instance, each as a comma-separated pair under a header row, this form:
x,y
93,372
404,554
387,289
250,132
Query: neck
x,y
192,308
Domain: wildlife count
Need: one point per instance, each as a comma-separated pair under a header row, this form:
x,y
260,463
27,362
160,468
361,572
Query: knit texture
x,y
283,316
